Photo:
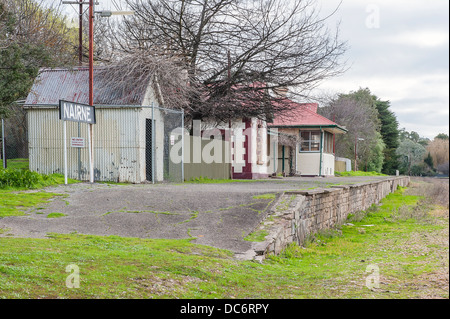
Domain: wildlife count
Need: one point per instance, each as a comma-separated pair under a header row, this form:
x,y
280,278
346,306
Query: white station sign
x,y
76,112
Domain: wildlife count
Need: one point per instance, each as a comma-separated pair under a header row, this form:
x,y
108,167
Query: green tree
x,y
390,135
370,119
357,111
411,154
429,161
31,37
442,136
376,157
20,66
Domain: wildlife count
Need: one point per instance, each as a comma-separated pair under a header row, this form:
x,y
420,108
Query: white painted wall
x,y
327,164
308,163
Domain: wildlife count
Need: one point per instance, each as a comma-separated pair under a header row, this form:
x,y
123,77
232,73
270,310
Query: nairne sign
x,y
76,112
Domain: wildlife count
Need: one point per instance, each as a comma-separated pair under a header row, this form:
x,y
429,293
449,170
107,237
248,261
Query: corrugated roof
x,y
52,85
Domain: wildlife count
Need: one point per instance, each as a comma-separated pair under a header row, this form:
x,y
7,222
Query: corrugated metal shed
x,y
53,85
117,134
127,146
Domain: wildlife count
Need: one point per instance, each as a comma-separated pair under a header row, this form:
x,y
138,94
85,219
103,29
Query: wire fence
x,y
14,141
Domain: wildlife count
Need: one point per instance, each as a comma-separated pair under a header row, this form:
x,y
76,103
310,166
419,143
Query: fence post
x,y
153,143
182,146
3,144
65,151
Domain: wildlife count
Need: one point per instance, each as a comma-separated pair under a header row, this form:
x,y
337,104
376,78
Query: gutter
x,y
309,126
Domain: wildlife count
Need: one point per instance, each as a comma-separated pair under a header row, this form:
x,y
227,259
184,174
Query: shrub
x,y
13,177
20,178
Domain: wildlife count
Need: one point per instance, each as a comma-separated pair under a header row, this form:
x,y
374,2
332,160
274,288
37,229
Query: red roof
x,y
302,114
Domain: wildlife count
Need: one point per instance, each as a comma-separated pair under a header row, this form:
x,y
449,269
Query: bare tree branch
x,y
271,43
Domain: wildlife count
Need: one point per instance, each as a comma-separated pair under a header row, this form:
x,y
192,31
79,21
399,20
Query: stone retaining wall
x,y
297,214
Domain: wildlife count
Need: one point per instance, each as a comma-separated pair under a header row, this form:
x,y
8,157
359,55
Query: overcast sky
x,y
399,49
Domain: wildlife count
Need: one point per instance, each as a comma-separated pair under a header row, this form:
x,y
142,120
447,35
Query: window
x,y
309,141
328,143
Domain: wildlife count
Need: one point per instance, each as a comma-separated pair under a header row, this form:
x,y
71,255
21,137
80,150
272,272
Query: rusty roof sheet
x,y
52,85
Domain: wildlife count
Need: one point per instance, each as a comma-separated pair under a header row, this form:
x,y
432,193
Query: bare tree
x,y
170,80
36,22
361,121
238,51
439,150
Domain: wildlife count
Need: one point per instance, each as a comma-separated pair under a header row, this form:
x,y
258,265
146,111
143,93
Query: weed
x,y
257,236
265,196
16,203
55,215
357,173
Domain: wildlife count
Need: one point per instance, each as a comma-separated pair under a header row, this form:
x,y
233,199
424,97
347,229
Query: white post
x,y
90,144
65,151
153,144
182,146
91,155
3,144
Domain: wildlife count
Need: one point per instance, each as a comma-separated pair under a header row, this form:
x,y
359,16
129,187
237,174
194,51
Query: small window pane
x,y
304,135
315,136
315,146
304,146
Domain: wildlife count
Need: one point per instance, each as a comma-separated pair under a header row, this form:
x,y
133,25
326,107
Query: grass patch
x,y
257,236
16,163
411,254
265,196
16,204
15,197
55,215
18,179
357,173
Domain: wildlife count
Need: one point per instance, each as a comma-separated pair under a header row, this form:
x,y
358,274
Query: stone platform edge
x,y
298,214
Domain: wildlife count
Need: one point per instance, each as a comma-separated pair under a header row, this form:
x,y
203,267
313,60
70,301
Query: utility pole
x,y
229,121
356,156
80,33
80,62
3,145
80,4
91,86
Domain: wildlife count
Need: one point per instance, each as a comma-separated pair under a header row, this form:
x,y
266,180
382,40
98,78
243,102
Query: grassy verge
x,y
406,238
357,173
15,200
18,163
